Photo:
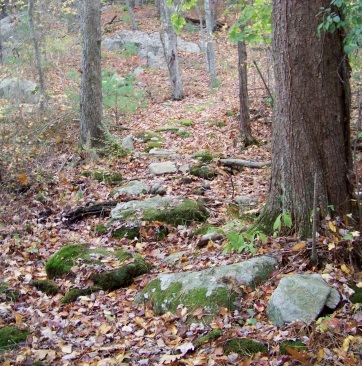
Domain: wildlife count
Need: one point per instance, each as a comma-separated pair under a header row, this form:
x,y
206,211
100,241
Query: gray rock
x,y
244,200
139,71
166,167
19,90
184,168
162,152
208,288
134,188
301,297
157,188
127,143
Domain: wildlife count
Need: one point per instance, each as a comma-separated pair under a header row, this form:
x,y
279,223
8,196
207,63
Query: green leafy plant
x,y
243,242
283,220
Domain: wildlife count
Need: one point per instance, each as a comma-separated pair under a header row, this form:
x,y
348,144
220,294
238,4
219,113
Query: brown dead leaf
x,y
299,246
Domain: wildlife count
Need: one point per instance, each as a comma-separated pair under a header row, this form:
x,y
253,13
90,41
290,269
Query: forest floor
x,y
106,328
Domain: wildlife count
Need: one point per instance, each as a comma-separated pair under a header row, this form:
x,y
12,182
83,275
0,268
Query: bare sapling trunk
x,y
311,119
38,62
171,56
210,51
91,130
131,13
245,124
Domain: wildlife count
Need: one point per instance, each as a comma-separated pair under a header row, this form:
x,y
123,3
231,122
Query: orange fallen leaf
x,y
299,246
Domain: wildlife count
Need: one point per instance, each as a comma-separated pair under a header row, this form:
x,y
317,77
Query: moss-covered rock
x,y
216,333
74,293
146,136
207,288
99,229
202,171
244,346
153,145
183,132
108,177
168,129
129,230
356,298
10,337
205,156
48,287
8,293
170,209
285,345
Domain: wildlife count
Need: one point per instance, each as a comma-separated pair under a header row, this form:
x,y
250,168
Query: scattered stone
x,y
207,288
133,188
167,167
186,180
214,236
19,90
174,257
244,200
127,143
170,209
301,297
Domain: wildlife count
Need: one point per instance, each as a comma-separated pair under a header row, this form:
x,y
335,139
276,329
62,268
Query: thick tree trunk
x,y
171,55
311,123
91,131
38,62
244,125
210,51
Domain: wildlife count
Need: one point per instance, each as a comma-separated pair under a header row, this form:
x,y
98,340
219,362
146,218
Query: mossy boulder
x,y
7,293
10,337
48,287
214,334
168,129
108,177
202,171
244,346
173,210
286,345
74,293
207,289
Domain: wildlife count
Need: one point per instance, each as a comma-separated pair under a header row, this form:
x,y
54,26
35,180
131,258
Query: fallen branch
x,y
247,163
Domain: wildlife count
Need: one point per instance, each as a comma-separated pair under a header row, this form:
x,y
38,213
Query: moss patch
x,y
7,292
356,298
299,345
153,145
129,230
147,136
99,229
216,333
204,155
182,214
202,171
48,287
108,177
168,129
74,293
244,346
11,336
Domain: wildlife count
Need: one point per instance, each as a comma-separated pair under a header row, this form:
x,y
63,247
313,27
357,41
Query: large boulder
x,y
174,210
149,46
301,297
209,289
19,90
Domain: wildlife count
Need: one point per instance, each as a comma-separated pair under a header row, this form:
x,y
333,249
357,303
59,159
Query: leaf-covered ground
x,y
44,179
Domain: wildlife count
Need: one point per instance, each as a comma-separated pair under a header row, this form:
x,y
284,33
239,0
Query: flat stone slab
x,y
208,289
301,297
162,152
167,167
134,188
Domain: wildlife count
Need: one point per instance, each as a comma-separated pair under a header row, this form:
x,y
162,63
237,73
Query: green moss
x,y
204,155
168,129
203,229
122,277
11,336
185,122
299,345
182,214
129,230
202,171
146,136
74,293
62,262
356,298
123,255
9,293
183,133
244,346
99,229
216,333
108,177
153,145
46,286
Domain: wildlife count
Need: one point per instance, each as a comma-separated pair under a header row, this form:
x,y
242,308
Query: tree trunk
x,y
131,13
171,55
311,121
91,131
210,52
245,125
38,62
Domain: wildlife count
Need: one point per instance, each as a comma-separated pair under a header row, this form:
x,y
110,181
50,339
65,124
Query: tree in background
x,y
311,121
210,51
91,131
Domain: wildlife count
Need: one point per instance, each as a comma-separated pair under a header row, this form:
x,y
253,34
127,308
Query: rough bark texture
x,y
210,52
131,13
311,126
39,65
91,133
171,55
244,125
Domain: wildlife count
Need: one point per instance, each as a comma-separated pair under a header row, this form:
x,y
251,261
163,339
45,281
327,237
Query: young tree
x,y
171,56
311,122
91,131
210,51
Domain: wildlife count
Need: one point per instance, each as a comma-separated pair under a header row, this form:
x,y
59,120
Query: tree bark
x,y
171,55
210,51
311,120
91,131
38,61
244,123
131,13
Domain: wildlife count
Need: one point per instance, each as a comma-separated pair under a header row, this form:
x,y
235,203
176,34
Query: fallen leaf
x,y
185,347
299,246
332,227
